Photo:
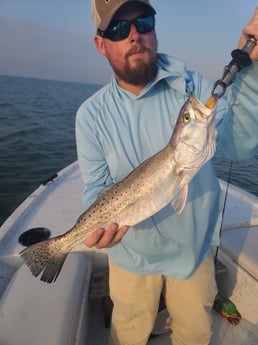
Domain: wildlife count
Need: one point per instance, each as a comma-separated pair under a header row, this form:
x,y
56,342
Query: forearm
x,y
240,125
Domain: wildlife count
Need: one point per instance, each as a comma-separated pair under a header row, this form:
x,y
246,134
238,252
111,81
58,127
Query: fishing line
x,y
224,207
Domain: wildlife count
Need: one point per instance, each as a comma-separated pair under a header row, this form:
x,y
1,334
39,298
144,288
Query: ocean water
x,y
37,138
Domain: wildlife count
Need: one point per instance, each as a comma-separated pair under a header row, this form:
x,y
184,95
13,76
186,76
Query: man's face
x,y
133,59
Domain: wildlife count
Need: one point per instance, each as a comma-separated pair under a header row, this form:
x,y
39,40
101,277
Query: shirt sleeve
x,y
239,137
93,166
236,114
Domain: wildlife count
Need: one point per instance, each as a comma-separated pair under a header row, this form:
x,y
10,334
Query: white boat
x,y
74,310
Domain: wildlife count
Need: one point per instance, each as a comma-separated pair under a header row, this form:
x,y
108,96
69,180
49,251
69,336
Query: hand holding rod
x,y
241,58
249,45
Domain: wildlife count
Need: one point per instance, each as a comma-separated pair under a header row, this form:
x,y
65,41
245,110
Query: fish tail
x,y
45,258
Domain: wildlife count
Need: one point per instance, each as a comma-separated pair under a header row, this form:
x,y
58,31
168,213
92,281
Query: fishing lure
x,y
227,309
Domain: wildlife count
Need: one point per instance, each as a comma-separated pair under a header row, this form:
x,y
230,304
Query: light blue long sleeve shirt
x,y
117,130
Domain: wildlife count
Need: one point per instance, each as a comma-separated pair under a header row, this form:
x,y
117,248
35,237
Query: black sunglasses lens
x,y
144,24
121,29
118,30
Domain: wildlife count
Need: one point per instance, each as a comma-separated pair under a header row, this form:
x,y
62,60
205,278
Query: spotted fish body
x,y
159,180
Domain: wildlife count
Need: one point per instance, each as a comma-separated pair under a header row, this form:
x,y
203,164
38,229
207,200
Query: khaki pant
x,y
136,301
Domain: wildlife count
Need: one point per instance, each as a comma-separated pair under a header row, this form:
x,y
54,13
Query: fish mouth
x,y
205,110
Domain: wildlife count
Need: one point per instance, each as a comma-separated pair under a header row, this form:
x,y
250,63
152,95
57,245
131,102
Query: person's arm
x,y
96,177
237,112
251,29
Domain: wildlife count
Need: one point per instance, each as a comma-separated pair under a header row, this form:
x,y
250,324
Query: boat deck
x,y
224,332
56,206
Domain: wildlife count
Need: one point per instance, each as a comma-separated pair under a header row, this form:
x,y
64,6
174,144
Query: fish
x,y
159,180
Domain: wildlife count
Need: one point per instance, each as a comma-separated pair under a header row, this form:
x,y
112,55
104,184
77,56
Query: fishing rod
x,y
240,59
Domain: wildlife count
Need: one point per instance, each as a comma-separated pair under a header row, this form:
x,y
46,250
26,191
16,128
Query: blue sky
x,y
53,39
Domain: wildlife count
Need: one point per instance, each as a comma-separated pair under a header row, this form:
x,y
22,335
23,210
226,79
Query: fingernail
x,y
115,227
126,228
101,231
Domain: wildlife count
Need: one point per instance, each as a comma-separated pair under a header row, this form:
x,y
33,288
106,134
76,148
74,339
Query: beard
x,y
141,73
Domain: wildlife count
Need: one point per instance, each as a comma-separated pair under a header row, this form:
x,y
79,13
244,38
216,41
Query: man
x,y
123,124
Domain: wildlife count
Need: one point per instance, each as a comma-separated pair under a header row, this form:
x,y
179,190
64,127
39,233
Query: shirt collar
x,y
174,72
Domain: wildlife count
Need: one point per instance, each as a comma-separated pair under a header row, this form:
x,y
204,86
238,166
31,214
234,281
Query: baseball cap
x,y
102,11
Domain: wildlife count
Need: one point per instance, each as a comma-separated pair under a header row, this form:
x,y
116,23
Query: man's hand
x,y
251,29
105,238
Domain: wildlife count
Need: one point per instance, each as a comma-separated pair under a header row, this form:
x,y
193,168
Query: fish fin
x,y
179,200
41,260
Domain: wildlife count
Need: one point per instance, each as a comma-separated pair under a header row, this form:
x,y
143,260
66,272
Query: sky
x,y
53,39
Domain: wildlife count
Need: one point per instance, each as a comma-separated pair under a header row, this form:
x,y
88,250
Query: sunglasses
x,y
120,29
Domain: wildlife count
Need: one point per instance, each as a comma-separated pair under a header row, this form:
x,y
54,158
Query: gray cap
x,y
102,11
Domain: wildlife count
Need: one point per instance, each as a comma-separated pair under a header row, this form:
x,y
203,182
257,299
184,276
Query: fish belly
x,y
160,194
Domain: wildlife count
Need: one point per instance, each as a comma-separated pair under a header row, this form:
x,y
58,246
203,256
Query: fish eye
x,y
186,118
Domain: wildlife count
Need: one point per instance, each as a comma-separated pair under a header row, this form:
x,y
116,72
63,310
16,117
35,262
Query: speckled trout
x,y
161,179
